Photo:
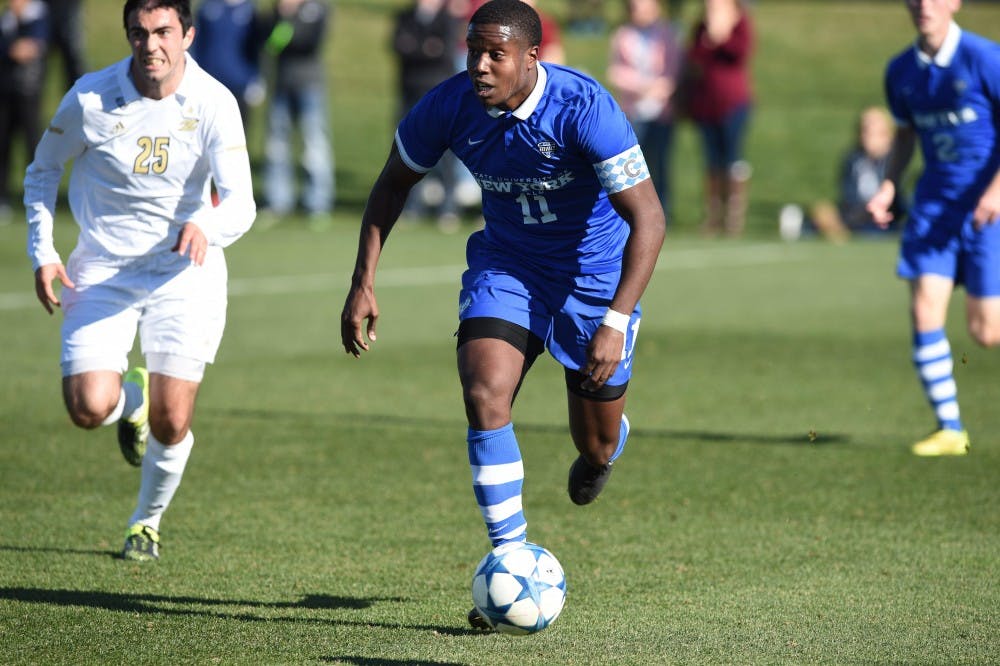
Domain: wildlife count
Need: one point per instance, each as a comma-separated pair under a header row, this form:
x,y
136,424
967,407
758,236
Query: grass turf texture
x,y
766,511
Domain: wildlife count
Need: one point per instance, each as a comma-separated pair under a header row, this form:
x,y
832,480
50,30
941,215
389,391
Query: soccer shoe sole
x,y
132,436
477,621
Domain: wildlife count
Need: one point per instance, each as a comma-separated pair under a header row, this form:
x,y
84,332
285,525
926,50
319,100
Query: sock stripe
x,y
497,480
491,475
935,366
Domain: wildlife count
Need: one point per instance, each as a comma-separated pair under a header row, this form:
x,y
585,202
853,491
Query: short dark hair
x,y
182,7
512,13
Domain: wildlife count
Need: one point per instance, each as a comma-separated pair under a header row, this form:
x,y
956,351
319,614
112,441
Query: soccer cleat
x,y
586,481
133,429
142,544
944,442
477,621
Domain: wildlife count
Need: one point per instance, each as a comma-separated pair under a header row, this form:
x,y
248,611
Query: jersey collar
x,y
527,107
946,53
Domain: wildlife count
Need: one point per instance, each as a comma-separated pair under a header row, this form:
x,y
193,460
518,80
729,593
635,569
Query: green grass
x,y
766,511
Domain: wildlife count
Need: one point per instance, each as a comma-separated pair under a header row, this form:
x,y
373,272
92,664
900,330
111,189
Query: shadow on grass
x,y
372,661
806,438
155,604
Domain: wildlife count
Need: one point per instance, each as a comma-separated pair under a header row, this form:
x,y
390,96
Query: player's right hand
x,y
44,277
360,305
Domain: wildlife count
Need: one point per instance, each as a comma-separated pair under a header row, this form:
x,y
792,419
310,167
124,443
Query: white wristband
x,y
616,320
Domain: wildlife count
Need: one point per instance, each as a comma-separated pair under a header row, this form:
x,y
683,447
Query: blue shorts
x,y
562,309
931,245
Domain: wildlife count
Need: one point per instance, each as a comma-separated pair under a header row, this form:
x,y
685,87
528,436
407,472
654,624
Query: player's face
x,y
502,69
932,17
158,43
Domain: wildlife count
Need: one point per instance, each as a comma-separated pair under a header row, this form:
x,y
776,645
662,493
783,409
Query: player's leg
x,y
932,358
174,382
600,430
597,423
180,332
98,330
493,357
982,286
983,315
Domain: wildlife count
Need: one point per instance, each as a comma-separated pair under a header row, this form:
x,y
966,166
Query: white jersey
x,y
142,168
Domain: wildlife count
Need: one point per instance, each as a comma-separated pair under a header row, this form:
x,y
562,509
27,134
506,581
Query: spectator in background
x,y
24,33
716,93
644,64
228,48
586,17
66,37
424,40
295,35
861,173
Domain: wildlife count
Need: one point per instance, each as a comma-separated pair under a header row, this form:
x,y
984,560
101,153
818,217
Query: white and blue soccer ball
x,y
519,588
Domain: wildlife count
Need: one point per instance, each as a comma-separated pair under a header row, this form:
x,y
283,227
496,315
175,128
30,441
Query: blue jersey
x,y
952,101
545,169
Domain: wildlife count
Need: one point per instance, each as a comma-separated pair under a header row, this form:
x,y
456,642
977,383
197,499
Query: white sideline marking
x,y
747,255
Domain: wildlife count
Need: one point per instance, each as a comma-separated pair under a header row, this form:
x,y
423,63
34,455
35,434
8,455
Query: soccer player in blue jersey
x,y
573,230
945,92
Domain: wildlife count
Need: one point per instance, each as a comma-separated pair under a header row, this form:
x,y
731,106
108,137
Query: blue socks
x,y
497,478
934,364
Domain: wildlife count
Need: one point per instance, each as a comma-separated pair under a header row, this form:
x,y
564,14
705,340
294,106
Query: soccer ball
x,y
519,588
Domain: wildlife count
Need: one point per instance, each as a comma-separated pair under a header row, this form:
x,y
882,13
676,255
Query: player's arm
x,y
385,203
640,207
903,144
229,162
61,142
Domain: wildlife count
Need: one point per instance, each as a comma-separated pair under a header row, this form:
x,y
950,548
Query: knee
x,y
169,426
87,413
985,336
486,404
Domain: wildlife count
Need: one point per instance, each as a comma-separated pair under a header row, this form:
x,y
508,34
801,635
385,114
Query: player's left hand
x,y
604,353
192,242
988,209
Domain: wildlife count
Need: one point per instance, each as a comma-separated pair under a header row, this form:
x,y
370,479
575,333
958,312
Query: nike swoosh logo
x,y
473,143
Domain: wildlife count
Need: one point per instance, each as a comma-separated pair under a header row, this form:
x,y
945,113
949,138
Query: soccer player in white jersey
x,y
148,137
944,92
573,230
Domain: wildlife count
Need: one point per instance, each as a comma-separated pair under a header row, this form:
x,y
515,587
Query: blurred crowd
x,y
663,68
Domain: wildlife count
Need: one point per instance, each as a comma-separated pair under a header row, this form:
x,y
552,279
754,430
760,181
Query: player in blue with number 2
x,y
945,92
573,231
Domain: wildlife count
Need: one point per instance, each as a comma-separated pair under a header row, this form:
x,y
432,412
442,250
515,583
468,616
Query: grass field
x,y
767,510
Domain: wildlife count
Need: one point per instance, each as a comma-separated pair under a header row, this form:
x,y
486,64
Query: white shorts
x,y
178,308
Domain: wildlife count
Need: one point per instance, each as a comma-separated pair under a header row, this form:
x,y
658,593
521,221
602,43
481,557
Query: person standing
x,y
717,95
228,49
295,34
147,136
66,38
643,69
944,92
573,229
24,34
423,40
